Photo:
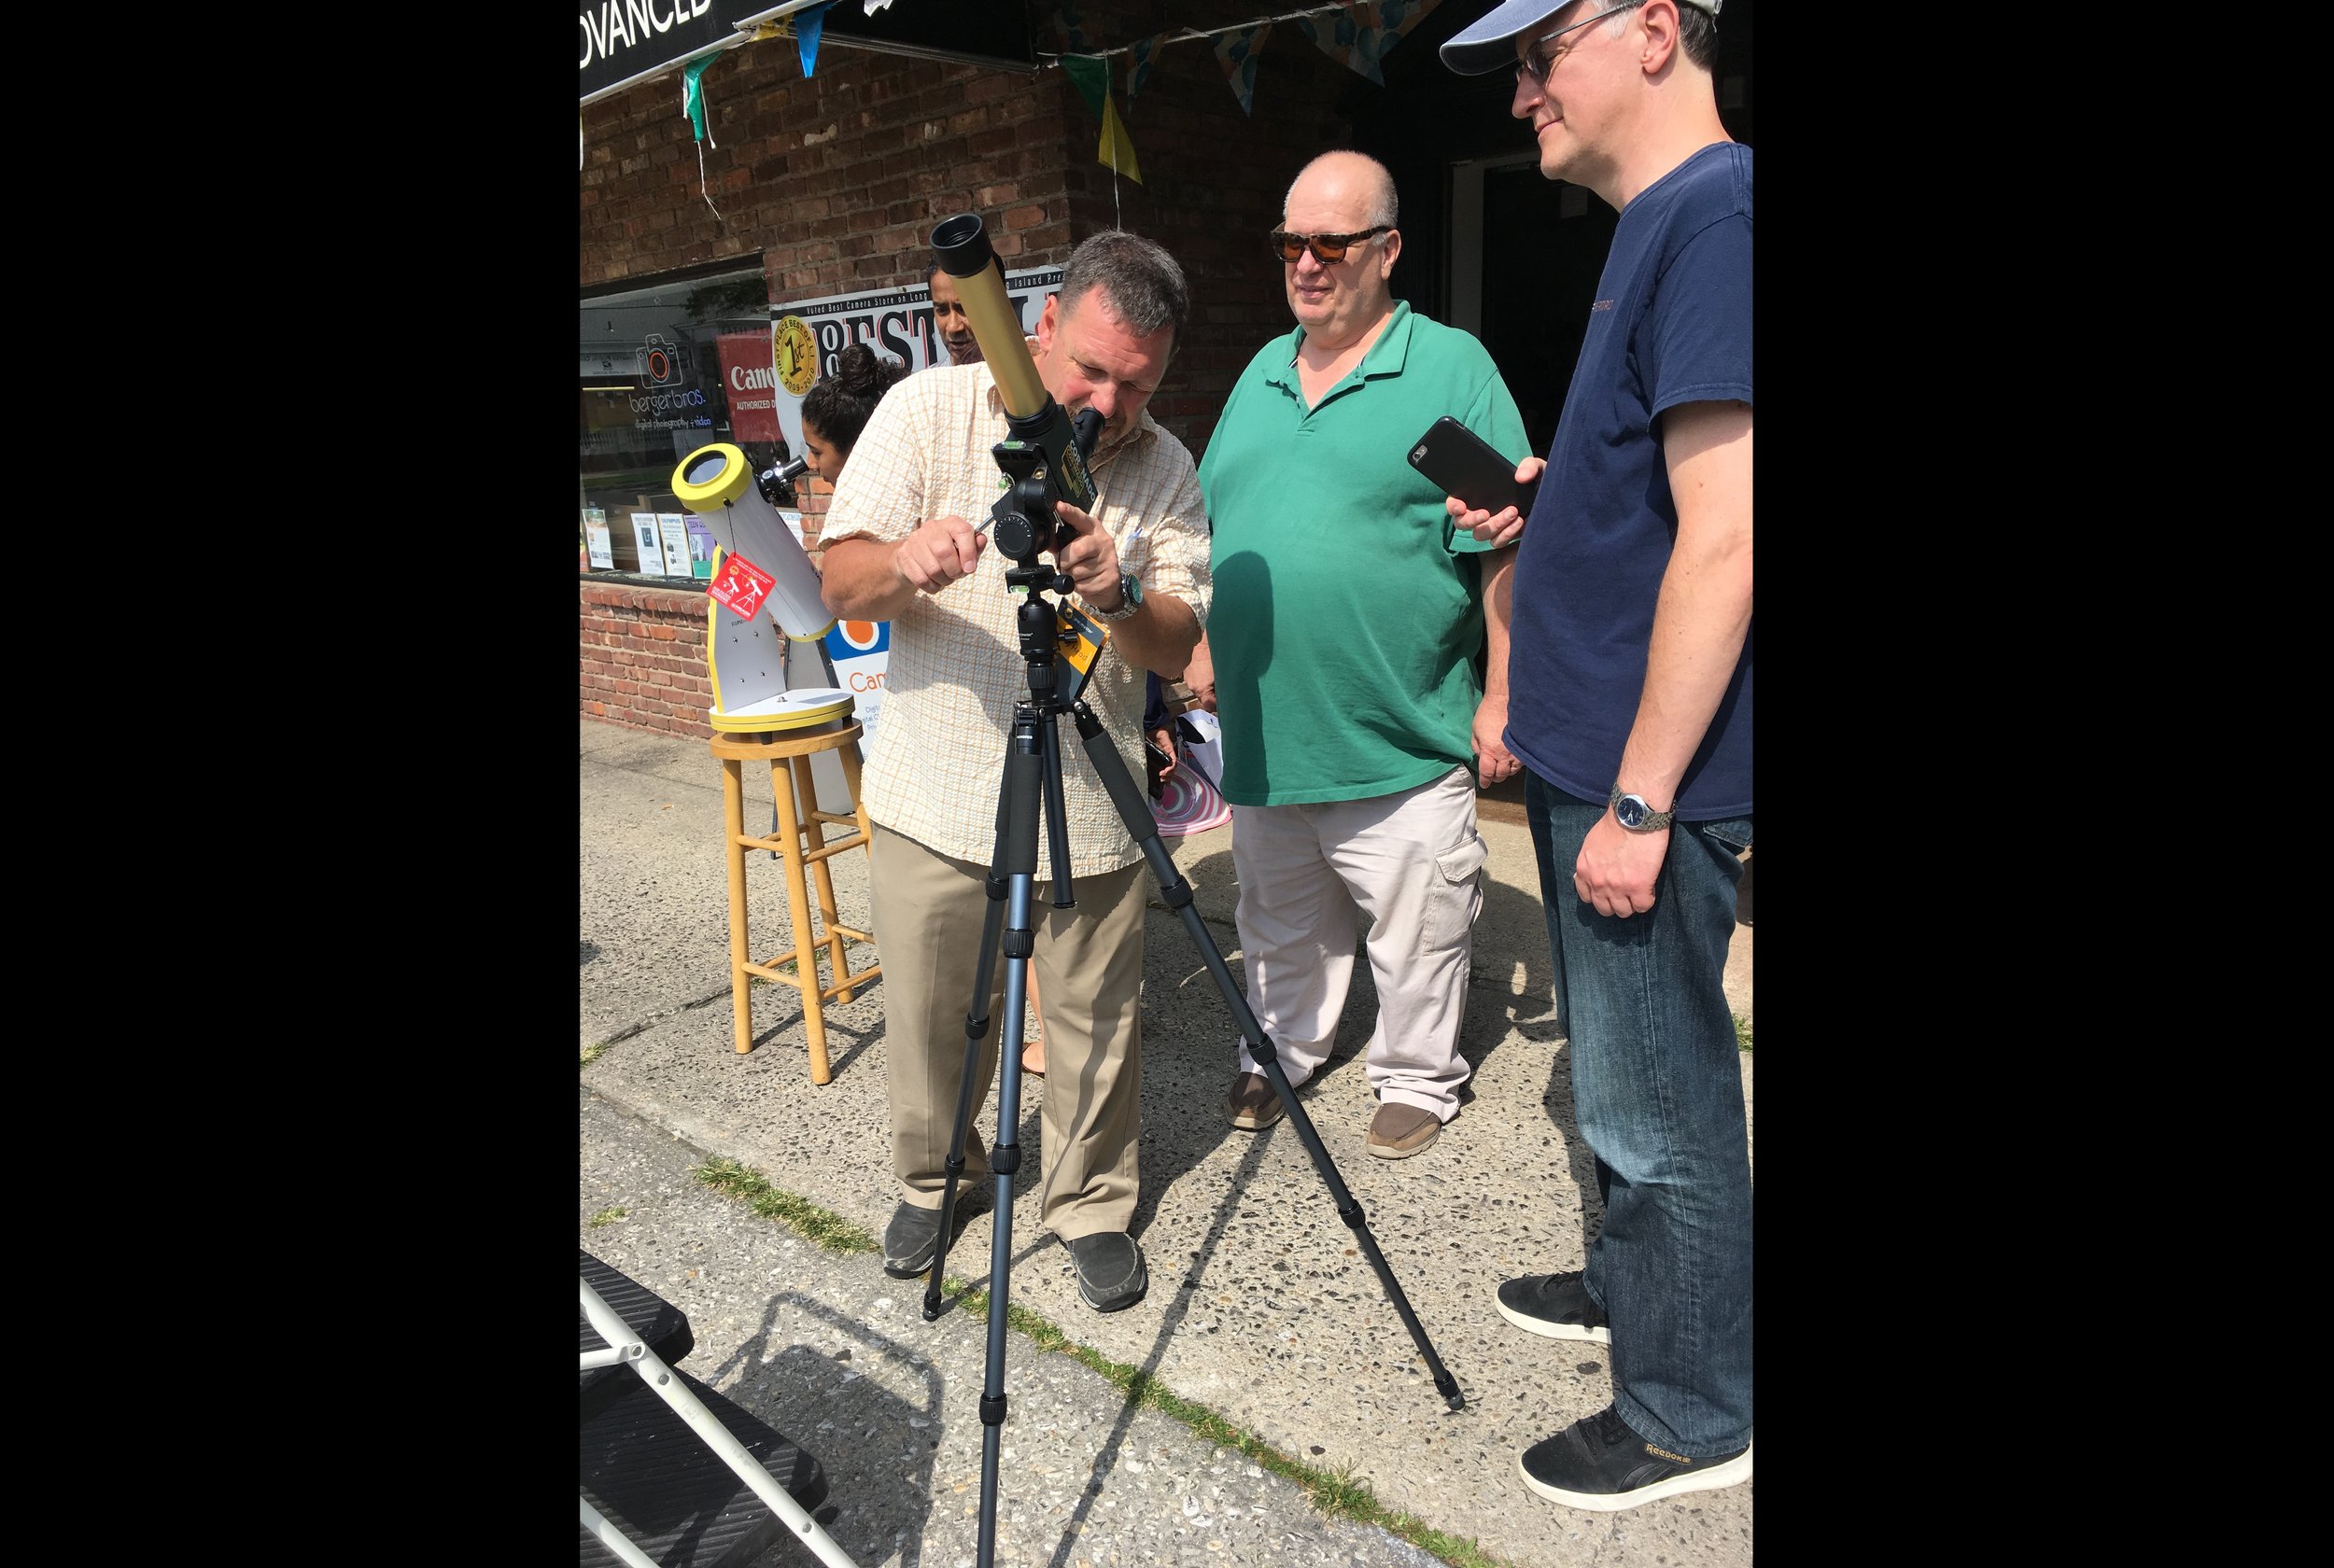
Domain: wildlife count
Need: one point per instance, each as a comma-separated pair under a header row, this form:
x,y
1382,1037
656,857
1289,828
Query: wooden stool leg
x,y
734,852
798,906
814,835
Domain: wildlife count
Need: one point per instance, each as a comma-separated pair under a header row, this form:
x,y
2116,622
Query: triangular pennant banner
x,y
1145,53
1336,40
1115,151
693,92
1398,17
1091,78
1359,39
808,26
1237,53
1073,39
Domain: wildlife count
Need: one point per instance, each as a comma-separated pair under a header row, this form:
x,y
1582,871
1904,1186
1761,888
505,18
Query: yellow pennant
x,y
1115,150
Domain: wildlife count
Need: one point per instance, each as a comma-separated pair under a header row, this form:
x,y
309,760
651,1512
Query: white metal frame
x,y
626,1347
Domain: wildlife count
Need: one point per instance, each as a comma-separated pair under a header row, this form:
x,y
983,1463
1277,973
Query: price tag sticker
x,y
742,585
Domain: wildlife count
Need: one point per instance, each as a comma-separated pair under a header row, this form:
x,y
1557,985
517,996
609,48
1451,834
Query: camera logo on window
x,y
660,361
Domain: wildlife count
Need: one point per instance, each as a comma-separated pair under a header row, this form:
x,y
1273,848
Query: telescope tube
x,y
717,481
960,247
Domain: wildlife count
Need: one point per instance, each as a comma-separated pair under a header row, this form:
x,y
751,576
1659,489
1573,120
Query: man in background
x,y
949,320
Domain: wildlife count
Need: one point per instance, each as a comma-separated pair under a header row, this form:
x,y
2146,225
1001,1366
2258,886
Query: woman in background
x,y
836,407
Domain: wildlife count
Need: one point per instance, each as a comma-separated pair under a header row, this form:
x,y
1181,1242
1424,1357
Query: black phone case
x,y
1469,467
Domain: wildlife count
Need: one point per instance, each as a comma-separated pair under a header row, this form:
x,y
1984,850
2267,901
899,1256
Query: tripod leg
x,y
1135,810
1057,813
1025,757
976,1029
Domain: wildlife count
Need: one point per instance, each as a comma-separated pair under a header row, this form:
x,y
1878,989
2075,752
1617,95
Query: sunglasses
x,y
1536,65
1328,249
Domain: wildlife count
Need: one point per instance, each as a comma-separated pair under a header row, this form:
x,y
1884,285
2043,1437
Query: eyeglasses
x,y
1328,249
1537,65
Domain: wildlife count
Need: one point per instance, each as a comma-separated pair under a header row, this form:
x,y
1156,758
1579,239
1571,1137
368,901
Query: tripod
x,y
1034,763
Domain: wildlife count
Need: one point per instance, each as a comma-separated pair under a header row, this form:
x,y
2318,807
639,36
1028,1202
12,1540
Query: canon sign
x,y
764,379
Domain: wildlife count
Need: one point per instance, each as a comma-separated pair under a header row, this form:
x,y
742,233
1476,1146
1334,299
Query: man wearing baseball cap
x,y
1630,661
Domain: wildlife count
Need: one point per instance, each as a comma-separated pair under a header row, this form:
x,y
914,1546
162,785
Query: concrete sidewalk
x,y
1261,1306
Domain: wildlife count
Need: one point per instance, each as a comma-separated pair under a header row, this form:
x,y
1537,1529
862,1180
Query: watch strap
x,y
1129,600
1655,821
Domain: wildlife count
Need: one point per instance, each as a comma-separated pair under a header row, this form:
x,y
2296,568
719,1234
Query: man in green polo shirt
x,y
1348,620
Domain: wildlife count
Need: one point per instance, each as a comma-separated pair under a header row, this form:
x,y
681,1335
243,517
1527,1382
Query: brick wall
x,y
643,657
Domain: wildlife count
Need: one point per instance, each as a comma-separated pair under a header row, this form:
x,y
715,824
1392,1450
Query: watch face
x,y
1631,811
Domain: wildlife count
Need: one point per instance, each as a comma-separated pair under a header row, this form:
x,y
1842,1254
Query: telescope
x,y
1044,456
718,485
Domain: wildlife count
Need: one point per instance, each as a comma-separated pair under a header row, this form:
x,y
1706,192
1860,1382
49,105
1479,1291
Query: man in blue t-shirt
x,y
1629,706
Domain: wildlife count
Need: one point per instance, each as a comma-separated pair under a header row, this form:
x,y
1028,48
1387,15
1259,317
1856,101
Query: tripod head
x,y
1044,455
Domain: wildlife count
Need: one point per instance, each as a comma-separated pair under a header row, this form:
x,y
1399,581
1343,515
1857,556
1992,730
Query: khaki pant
x,y
1412,862
929,911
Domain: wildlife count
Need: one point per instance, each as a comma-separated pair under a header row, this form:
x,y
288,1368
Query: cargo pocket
x,y
1453,902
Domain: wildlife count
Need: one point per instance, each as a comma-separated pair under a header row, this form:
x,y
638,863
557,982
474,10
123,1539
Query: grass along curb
x,y
1334,1492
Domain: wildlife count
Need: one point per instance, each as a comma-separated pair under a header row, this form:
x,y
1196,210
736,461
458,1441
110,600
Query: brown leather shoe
x,y
1399,1131
1252,1105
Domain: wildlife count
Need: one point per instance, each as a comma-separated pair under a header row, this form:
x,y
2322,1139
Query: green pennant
x,y
693,91
1092,77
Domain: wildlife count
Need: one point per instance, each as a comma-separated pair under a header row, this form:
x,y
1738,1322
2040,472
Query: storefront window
x,y
668,369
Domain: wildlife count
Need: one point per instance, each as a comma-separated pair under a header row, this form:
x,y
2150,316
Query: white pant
x,y
1410,862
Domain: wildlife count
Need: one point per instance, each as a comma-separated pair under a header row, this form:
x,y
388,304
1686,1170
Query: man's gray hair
x,y
1144,288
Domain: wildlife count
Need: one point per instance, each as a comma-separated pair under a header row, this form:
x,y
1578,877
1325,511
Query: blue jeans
x,y
1657,1088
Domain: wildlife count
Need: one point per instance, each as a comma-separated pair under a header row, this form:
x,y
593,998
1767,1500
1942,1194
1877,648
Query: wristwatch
x,y
1130,597
1632,813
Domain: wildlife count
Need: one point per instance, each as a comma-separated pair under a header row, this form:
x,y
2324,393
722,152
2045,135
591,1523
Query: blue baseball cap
x,y
1490,44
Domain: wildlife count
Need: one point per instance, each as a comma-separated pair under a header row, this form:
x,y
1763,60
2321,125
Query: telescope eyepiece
x,y
961,245
775,481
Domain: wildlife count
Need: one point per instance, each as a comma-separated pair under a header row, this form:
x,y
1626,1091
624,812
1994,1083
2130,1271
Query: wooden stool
x,y
755,717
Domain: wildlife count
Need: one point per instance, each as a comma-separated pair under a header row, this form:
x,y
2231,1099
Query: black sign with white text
x,y
623,39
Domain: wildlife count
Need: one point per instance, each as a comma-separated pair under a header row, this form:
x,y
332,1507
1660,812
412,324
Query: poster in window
x,y
861,653
700,548
598,551
652,549
807,336
672,529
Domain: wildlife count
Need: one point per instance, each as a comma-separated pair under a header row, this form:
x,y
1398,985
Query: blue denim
x,y
1657,1089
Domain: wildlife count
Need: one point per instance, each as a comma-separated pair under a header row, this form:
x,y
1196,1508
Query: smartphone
x,y
1470,467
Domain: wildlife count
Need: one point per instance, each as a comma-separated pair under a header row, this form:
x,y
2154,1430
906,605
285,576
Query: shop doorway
x,y
1525,260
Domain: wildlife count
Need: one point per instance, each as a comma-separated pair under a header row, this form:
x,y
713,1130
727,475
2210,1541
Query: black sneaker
x,y
1597,1463
1110,1270
1556,1305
